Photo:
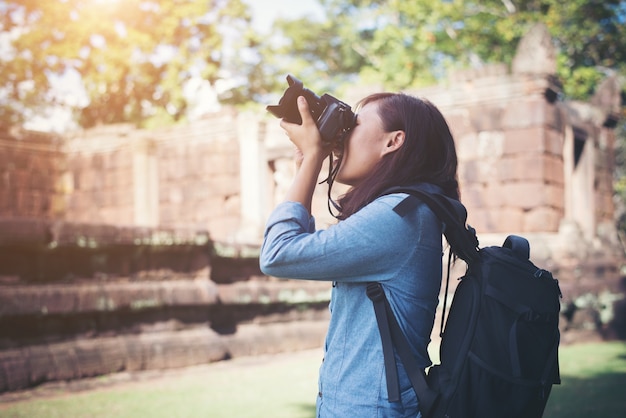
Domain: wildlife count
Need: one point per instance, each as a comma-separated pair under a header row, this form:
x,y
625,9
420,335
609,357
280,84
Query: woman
x,y
398,140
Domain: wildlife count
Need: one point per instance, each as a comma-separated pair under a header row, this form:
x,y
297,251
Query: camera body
x,y
333,118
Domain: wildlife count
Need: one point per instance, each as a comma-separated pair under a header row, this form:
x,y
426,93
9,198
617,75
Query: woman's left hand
x,y
310,154
306,137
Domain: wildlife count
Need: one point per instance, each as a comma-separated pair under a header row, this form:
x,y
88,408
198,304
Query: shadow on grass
x,y
599,396
308,410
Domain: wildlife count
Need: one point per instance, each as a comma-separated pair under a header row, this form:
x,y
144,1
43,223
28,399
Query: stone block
x,y
543,219
528,195
17,300
524,140
179,348
508,220
14,372
252,339
153,350
459,122
498,220
519,168
64,361
525,113
189,293
135,352
490,145
40,364
554,170
482,220
138,296
554,118
469,172
89,358
89,298
56,299
474,196
467,146
225,184
224,229
273,292
112,353
486,118
492,195
530,167
554,140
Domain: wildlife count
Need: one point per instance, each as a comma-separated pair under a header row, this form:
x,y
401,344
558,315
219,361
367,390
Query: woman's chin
x,y
342,180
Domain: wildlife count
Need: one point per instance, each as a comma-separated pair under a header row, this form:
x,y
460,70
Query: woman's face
x,y
365,146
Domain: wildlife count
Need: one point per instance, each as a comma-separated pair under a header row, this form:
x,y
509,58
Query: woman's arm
x,y
371,245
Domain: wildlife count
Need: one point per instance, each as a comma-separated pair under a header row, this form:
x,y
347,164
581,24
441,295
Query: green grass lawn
x,y
594,385
593,382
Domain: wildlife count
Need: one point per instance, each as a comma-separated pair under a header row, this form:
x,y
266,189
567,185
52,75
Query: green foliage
x,y
404,44
133,56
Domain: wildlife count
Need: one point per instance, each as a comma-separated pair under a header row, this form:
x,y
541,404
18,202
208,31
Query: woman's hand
x,y
298,157
306,137
309,155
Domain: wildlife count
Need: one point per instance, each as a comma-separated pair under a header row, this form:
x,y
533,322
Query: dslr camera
x,y
333,118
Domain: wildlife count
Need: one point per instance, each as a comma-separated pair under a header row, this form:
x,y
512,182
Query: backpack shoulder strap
x,y
461,237
391,333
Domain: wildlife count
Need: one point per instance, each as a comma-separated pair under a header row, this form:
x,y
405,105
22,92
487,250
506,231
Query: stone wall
x,y
81,300
33,169
509,144
101,185
184,176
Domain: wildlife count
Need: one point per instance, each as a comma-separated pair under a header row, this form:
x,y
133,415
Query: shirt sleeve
x,y
373,244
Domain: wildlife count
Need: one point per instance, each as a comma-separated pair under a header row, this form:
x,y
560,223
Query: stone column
x,y
253,187
145,183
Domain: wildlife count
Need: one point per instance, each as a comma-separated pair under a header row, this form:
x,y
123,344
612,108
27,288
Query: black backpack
x,y
499,348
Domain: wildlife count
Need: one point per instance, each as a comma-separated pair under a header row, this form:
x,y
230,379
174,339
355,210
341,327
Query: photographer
x,y
398,140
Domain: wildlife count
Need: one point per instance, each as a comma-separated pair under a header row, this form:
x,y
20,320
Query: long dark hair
x,y
427,155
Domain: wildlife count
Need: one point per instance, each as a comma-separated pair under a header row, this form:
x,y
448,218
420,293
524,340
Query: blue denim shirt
x,y
374,244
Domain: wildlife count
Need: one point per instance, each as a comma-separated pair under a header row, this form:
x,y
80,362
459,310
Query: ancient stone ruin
x,y
123,249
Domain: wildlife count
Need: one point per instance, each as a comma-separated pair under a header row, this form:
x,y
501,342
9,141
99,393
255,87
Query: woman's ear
x,y
394,141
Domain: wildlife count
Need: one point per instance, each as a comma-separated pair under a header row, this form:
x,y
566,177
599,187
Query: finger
x,y
287,126
303,108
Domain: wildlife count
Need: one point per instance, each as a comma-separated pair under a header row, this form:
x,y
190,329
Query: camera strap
x,y
332,173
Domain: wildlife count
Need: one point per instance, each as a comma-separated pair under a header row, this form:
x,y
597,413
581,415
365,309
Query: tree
x,y
590,36
132,56
404,44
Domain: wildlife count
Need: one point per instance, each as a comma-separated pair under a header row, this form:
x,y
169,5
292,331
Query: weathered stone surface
x,y
535,53
63,299
253,339
290,292
542,219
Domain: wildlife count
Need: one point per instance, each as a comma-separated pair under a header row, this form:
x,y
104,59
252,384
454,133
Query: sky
x,y
264,12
